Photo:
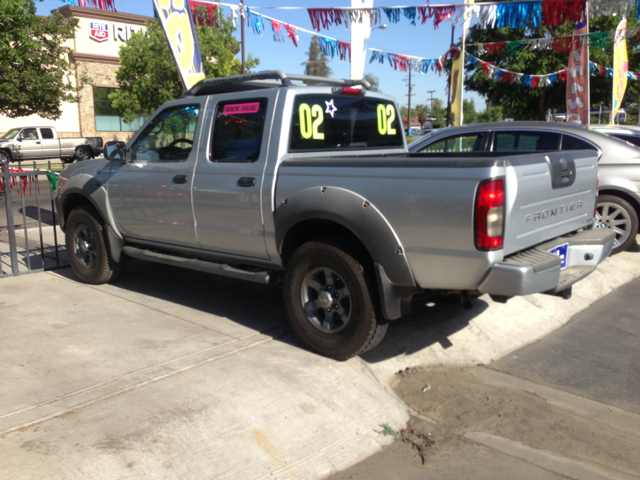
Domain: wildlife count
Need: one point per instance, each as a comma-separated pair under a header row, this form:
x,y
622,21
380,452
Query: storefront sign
x,y
99,31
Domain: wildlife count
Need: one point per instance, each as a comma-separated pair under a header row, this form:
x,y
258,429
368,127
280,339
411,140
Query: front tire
x,y
87,247
620,216
5,157
329,299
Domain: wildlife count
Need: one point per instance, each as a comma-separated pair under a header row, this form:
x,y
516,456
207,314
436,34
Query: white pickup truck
x,y
34,143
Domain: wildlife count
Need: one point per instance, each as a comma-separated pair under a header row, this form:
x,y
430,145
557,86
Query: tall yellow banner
x,y
457,72
620,69
176,21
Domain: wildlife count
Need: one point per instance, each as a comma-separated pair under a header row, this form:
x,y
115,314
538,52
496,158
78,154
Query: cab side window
x,y
29,134
525,141
573,143
471,142
46,133
238,129
169,137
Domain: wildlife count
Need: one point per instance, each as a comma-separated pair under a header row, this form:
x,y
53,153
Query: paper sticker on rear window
x,y
238,108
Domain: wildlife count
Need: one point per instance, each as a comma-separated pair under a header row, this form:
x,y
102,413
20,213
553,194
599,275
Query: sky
x,y
401,38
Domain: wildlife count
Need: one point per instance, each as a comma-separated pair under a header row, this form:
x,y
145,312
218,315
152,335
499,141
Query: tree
x,y
148,75
36,75
523,103
491,114
374,81
469,114
318,63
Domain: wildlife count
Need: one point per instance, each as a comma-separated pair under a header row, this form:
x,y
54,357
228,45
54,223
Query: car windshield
x,y
330,122
10,134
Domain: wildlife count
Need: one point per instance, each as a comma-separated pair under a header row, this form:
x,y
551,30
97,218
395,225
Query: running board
x,y
199,265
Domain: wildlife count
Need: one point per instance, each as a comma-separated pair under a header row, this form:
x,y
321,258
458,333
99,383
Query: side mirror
x,y
115,151
20,137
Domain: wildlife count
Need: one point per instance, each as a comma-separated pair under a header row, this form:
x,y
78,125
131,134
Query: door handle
x,y
38,143
247,181
180,179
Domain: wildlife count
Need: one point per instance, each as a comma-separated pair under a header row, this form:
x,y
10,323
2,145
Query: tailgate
x,y
548,195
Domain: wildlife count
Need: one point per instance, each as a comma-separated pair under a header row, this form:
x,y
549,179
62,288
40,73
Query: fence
x,y
20,252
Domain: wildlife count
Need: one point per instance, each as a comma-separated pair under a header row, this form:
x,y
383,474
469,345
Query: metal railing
x,y
25,181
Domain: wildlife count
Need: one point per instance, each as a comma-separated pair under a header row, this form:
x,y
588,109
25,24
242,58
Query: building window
x,y
107,119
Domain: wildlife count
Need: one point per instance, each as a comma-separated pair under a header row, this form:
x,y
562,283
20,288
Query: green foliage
x,y
318,63
469,114
373,80
523,103
148,76
36,73
491,114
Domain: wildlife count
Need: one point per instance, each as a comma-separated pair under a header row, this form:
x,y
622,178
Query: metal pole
x,y
409,111
13,250
242,33
453,28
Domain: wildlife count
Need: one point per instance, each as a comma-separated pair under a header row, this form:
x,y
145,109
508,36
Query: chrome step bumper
x,y
538,271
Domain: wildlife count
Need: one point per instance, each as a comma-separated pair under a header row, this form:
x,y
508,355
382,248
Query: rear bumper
x,y
536,270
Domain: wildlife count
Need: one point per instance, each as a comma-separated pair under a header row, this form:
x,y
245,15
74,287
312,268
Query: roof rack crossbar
x,y
273,75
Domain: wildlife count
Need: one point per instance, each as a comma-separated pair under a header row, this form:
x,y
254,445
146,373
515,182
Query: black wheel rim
x,y
326,300
83,155
84,246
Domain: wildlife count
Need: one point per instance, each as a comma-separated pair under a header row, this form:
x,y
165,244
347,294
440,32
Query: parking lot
x,y
170,373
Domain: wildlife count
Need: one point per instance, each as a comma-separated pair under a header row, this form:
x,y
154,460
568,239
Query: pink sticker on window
x,y
238,108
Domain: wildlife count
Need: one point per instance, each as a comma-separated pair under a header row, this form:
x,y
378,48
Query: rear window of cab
x,y
331,122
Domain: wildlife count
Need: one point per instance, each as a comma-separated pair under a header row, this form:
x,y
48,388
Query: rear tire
x,y
87,247
620,216
83,154
329,298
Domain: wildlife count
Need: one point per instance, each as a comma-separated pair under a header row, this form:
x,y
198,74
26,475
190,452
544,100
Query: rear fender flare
x,y
355,213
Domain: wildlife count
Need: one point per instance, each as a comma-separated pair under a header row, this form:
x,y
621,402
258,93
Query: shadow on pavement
x,y
261,307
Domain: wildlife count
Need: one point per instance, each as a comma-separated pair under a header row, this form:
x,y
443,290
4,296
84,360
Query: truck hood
x,y
100,167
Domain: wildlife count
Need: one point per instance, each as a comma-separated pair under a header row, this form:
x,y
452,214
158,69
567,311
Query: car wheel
x,y
5,156
83,154
329,298
87,247
618,214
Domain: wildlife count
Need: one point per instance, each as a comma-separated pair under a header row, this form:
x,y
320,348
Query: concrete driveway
x,y
175,374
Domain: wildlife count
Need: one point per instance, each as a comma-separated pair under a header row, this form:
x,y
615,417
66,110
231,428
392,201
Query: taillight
x,y
490,215
348,90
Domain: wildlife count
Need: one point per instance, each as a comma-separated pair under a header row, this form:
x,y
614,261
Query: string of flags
x,y
502,75
561,44
100,4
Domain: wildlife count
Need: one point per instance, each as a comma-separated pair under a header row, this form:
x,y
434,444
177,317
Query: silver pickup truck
x,y
263,178
33,143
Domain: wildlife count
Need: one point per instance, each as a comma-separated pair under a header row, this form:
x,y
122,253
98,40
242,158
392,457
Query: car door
x,y
50,144
228,185
29,144
150,195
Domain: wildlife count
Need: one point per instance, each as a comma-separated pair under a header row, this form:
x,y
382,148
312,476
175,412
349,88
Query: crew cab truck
x,y
33,143
307,181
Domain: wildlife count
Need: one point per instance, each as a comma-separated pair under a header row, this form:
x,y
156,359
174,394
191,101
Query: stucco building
x,y
99,35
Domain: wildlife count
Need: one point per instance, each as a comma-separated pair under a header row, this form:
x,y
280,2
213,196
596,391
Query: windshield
x,y
328,122
10,134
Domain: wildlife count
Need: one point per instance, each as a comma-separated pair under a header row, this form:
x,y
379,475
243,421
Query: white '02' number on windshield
x,y
307,128
386,117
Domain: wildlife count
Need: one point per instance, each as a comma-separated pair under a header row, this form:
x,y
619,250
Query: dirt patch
x,y
460,402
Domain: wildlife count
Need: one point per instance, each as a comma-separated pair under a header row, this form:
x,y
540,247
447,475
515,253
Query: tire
x,y
83,154
5,157
87,247
618,214
322,275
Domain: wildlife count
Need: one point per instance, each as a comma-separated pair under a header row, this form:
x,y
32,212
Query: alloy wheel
x,y
326,300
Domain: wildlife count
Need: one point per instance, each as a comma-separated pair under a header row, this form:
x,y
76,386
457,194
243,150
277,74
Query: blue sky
x,y
401,38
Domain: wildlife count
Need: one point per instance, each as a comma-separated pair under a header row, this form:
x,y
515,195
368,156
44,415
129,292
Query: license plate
x,y
561,251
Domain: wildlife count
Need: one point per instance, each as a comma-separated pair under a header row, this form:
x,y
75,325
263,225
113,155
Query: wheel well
x,y
74,201
625,196
309,230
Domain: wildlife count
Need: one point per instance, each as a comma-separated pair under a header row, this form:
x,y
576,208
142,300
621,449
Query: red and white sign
x,y
239,108
99,31
578,78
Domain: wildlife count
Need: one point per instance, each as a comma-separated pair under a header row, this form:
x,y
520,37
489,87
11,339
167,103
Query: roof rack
x,y
262,80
